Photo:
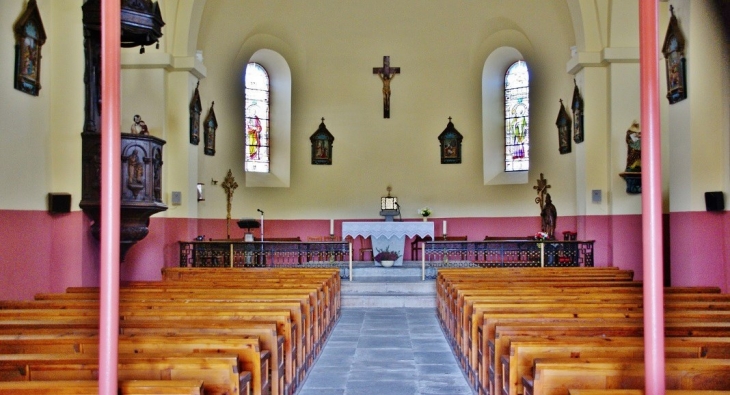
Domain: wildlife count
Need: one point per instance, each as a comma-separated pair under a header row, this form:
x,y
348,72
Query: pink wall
x,y
47,253
700,244
25,253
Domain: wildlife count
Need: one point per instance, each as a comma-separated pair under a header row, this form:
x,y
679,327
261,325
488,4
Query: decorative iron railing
x,y
237,253
505,253
434,254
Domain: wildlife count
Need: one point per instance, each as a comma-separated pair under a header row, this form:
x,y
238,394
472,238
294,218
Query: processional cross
x,y
541,188
386,73
230,185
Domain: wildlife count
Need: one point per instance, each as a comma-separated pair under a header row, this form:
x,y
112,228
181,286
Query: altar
x,y
388,235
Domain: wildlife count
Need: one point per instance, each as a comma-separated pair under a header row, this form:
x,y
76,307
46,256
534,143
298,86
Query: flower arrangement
x,y
424,212
541,236
386,255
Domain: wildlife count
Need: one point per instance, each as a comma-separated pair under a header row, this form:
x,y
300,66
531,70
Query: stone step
x,y
397,286
385,300
389,287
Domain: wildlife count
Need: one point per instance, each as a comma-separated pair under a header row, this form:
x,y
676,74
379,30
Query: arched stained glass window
x,y
517,117
257,119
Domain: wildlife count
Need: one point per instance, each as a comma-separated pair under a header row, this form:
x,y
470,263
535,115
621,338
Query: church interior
x,y
388,80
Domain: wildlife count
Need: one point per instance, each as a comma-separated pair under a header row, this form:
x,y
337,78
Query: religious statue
x,y
549,216
135,173
548,213
386,87
386,74
139,127
633,142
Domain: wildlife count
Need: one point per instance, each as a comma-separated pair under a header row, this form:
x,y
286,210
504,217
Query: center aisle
x,y
386,351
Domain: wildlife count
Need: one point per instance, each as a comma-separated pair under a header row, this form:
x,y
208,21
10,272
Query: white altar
x,y
388,235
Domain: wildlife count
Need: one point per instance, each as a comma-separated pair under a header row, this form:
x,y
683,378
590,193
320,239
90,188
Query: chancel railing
x,y
238,253
505,253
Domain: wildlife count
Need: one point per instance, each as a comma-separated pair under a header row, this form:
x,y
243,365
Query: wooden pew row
x,y
523,352
217,306
465,311
219,372
493,314
504,333
463,308
464,341
330,277
185,318
449,278
312,321
444,309
89,387
449,288
302,313
186,307
330,280
271,335
556,376
676,326
627,306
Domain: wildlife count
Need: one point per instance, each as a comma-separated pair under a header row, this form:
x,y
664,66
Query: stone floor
x,y
386,351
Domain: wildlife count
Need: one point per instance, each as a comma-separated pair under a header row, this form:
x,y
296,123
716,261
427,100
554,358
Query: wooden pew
x,y
466,298
211,330
523,351
211,306
89,387
556,376
250,357
219,372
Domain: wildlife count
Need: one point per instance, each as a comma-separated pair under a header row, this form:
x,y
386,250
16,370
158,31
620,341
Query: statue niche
x,y
141,153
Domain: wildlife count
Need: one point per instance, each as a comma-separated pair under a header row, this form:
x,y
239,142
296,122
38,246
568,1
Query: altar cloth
x,y
388,235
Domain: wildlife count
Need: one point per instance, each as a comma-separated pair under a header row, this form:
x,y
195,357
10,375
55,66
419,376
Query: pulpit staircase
x,y
398,286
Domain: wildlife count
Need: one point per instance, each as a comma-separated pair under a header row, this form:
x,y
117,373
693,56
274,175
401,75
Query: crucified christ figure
x,y
386,74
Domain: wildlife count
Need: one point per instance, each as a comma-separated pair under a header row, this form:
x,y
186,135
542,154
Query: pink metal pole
x,y
110,196
651,199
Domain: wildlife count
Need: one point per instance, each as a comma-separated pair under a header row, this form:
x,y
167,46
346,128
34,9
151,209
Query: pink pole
x,y
651,199
110,196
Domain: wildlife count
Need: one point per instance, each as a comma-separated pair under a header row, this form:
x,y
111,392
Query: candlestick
x,y
332,227
445,228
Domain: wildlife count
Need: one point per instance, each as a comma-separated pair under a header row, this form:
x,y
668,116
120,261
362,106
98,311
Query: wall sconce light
x,y
213,182
201,195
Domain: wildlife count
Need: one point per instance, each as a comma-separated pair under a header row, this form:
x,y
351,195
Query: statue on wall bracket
x,y
632,173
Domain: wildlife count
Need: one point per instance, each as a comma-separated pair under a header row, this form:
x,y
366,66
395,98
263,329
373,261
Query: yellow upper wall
x,y
331,48
438,46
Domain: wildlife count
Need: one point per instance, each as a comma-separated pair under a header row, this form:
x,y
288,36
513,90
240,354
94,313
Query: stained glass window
x,y
257,119
517,117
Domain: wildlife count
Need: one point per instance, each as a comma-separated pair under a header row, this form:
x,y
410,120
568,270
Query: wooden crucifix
x,y
229,185
386,73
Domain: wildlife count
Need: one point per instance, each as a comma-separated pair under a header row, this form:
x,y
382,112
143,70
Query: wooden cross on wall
x,y
386,73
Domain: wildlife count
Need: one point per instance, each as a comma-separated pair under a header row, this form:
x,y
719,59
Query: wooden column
x,y
110,198
651,198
